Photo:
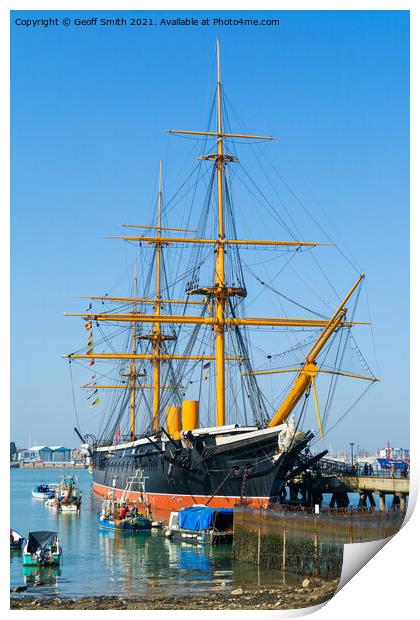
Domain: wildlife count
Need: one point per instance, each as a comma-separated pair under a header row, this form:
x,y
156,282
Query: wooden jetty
x,y
366,486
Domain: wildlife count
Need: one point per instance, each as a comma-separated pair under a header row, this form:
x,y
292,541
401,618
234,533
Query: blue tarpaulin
x,y
199,518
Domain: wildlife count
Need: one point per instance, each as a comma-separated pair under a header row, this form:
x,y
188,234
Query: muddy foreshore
x,y
311,592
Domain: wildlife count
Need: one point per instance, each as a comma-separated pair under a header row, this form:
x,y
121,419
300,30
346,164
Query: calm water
x,y
97,562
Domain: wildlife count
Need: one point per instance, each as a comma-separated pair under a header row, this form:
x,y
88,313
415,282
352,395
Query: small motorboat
x,y
44,491
16,540
118,515
201,525
42,549
68,497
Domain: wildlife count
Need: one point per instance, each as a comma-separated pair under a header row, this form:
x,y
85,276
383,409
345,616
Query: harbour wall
x,y
50,465
304,542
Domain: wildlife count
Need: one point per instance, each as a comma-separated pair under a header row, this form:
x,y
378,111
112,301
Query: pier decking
x,y
366,486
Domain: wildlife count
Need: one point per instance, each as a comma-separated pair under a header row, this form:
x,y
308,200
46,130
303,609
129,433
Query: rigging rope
x,y
74,398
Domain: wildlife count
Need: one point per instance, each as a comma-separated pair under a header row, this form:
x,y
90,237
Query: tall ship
x,y
186,419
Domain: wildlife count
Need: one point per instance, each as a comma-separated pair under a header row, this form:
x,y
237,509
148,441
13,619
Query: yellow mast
x,y
220,285
157,326
133,368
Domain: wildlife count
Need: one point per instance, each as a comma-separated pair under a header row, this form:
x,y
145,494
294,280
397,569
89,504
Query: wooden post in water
x,y
316,558
259,542
316,554
284,550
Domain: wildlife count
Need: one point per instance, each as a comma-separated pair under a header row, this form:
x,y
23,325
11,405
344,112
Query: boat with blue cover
x,y
201,525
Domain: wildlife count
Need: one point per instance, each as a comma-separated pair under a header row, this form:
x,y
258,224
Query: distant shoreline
x,y
48,466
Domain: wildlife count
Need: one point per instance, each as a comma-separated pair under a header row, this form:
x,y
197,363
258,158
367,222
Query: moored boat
x,y
16,540
44,491
118,515
42,549
201,525
68,497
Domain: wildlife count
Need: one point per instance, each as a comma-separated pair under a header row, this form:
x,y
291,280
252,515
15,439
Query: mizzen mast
x,y
156,336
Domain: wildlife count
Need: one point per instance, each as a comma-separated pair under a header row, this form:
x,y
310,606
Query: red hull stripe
x,y
168,501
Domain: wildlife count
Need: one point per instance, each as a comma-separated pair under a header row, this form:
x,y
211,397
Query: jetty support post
x,y
403,501
382,501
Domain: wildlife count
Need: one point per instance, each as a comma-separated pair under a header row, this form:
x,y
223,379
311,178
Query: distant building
x,y
76,454
47,454
60,454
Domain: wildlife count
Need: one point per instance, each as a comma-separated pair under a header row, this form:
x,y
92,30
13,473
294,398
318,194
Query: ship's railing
x,y
112,442
328,467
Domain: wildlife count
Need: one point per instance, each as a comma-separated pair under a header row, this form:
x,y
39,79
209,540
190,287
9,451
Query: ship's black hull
x,y
176,474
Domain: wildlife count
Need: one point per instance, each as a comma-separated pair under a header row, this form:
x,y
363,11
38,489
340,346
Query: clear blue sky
x,y
89,106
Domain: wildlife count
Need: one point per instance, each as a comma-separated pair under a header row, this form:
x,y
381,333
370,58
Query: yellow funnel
x,y
173,421
190,416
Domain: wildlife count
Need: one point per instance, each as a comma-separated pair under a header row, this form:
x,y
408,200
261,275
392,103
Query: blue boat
x,y
118,516
131,525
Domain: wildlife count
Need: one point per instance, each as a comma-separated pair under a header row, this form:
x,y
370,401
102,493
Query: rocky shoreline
x,y
311,592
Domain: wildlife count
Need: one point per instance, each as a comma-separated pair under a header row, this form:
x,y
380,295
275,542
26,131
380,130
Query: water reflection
x,y
124,555
41,575
193,561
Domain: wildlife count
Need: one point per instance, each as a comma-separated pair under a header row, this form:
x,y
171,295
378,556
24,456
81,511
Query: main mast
x,y
220,284
157,340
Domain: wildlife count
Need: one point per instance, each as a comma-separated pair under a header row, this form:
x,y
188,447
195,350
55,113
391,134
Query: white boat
x,y
68,497
44,491
200,524
16,540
